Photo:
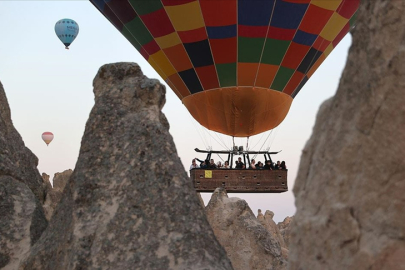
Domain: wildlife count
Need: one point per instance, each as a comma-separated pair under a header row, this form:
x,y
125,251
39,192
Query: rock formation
x,y
129,203
60,179
16,159
54,194
47,180
351,181
267,221
200,199
285,229
248,243
22,192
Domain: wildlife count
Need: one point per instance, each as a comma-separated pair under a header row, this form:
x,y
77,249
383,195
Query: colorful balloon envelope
x,y
235,64
47,137
66,30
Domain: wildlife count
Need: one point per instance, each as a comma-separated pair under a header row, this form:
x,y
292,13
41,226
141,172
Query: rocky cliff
x,y
22,192
54,194
129,203
351,181
248,243
267,221
60,180
285,229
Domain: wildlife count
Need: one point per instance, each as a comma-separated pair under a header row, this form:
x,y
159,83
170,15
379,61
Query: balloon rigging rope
x,y
221,138
200,132
259,140
204,132
263,142
220,158
223,145
274,137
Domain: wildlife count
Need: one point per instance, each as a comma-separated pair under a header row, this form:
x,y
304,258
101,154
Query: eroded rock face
x,y
22,192
22,221
16,160
60,180
351,181
248,243
129,203
54,194
267,221
285,229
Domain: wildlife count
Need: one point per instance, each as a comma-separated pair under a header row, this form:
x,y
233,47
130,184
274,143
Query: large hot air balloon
x,y
47,137
66,30
235,64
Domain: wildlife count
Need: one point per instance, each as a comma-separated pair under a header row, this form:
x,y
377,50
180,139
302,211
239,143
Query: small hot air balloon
x,y
47,137
66,30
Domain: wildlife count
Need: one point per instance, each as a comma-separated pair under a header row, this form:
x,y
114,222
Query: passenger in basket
x,y
268,166
201,161
259,165
277,166
194,164
226,165
212,164
239,164
252,164
283,166
204,165
219,165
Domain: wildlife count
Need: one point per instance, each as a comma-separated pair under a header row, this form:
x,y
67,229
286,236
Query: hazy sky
x,y
50,89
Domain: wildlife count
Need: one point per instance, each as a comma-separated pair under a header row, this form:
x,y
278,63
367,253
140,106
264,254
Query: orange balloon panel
x,y
239,111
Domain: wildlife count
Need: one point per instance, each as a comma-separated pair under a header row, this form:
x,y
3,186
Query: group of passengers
x,y
210,164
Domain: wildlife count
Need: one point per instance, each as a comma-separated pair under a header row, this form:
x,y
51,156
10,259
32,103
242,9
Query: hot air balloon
x,y
47,137
236,65
66,30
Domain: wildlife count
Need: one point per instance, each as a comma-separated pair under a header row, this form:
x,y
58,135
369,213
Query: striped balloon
x,y
47,137
235,64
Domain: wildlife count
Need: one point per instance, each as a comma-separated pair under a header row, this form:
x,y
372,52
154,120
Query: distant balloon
x,y
47,137
66,30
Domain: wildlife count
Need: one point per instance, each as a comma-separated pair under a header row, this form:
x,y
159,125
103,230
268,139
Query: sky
x,y
50,89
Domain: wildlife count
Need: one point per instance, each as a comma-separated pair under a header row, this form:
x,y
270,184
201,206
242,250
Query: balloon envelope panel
x,y
209,52
66,30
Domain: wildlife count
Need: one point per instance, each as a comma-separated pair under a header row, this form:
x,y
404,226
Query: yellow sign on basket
x,y
208,174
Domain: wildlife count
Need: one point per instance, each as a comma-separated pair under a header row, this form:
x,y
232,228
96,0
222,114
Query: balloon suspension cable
x,y
220,158
233,142
268,136
247,144
221,140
